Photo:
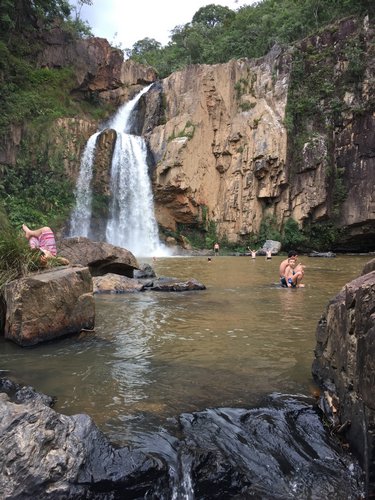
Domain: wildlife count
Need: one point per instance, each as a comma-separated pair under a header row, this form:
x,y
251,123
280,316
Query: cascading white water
x,y
131,223
81,216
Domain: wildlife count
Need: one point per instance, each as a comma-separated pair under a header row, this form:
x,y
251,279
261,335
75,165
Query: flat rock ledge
x,y
344,367
113,283
49,305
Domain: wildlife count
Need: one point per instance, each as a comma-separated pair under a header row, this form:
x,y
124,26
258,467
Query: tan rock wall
x,y
223,147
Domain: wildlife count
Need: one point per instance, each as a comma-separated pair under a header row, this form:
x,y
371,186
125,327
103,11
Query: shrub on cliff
x,y
292,235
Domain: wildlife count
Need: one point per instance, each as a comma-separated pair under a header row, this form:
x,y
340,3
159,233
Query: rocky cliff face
x,y
344,366
100,74
223,151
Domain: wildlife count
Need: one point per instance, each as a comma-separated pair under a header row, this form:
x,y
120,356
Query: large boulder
x,y
49,305
344,366
100,257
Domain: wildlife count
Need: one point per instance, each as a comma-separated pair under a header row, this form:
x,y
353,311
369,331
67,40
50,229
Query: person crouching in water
x,y
294,274
299,267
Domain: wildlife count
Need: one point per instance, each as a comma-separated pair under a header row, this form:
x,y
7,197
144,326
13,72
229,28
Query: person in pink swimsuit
x,y
42,239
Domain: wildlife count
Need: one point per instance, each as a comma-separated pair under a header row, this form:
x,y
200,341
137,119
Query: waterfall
x,y
81,216
131,222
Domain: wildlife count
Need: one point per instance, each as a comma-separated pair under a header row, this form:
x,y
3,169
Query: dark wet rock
x,y
328,255
277,451
344,366
46,455
22,394
145,271
176,285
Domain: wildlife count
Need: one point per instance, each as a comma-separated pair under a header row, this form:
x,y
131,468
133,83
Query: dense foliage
x,y
35,190
217,34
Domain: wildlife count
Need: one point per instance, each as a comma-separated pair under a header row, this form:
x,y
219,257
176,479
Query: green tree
x,y
212,15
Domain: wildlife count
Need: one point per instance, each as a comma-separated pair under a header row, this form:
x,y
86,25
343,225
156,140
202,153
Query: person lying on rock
x,y
43,239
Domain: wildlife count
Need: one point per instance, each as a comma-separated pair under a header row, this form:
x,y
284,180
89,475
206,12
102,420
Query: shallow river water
x,y
155,355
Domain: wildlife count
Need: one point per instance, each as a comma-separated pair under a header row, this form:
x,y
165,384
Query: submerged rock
x,y
114,283
328,255
176,285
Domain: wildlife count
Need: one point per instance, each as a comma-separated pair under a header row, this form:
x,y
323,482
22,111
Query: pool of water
x,y
154,355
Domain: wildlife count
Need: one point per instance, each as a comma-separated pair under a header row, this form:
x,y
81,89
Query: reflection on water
x,y
155,355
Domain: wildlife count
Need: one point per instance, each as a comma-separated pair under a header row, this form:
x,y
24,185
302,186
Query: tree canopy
x,y
217,34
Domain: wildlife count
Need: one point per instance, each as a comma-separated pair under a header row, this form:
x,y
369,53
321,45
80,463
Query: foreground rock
x,y
279,450
344,366
49,305
100,257
46,455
